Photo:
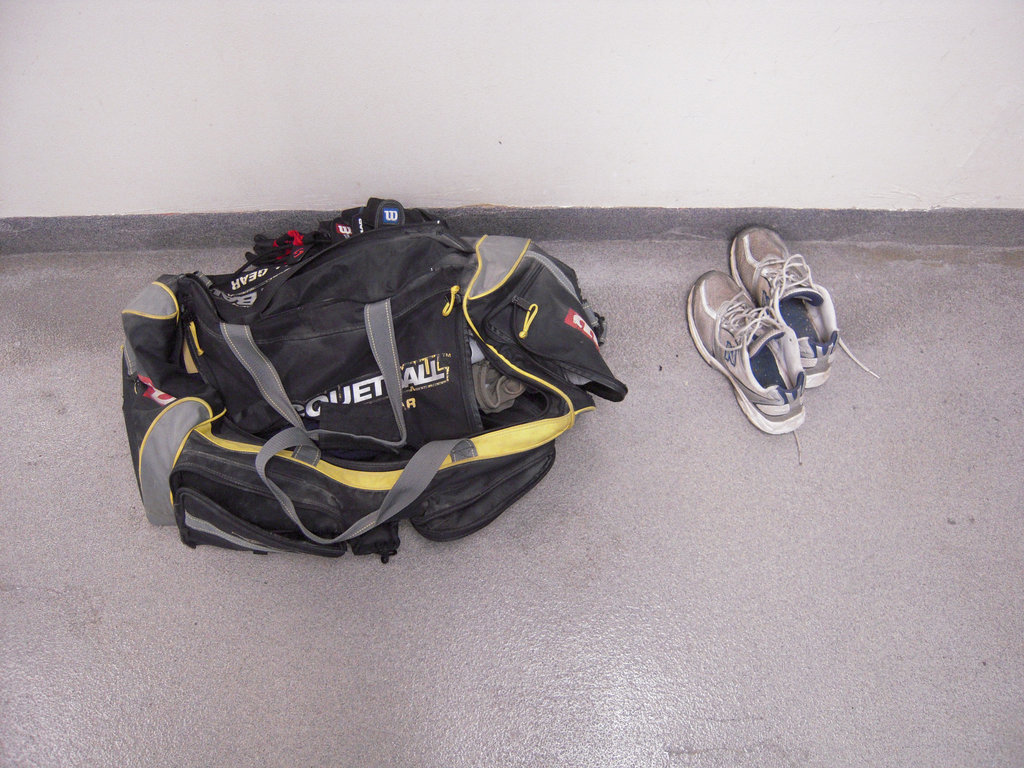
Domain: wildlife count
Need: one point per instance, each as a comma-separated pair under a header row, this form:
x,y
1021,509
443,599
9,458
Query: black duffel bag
x,y
376,369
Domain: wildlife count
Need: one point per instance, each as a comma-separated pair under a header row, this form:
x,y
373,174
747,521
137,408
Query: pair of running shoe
x,y
769,328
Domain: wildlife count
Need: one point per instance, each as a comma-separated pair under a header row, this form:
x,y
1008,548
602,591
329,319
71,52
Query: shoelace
x,y
743,320
793,272
783,274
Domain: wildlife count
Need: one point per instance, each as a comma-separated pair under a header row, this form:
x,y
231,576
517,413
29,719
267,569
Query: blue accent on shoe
x,y
825,349
791,395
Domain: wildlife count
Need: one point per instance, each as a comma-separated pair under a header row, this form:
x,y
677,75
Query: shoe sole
x,y
812,380
753,415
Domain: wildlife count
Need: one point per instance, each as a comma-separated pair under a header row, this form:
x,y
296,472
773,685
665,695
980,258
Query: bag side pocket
x,y
223,473
464,501
202,521
166,429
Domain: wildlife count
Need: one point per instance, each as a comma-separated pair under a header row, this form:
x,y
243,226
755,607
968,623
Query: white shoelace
x,y
846,349
785,274
744,320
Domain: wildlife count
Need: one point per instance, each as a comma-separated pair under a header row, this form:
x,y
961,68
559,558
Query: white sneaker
x,y
761,263
757,354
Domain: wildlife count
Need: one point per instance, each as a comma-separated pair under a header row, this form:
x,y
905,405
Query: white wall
x,y
118,106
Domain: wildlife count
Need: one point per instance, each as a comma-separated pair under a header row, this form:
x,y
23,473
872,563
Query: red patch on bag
x,y
155,394
576,321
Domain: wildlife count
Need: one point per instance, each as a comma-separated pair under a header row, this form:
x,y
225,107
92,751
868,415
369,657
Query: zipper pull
x,y
195,336
190,350
531,313
448,307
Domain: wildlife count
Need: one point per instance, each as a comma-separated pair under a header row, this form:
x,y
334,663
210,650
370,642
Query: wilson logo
x,y
416,375
575,320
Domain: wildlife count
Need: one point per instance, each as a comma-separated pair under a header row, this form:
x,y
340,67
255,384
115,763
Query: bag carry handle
x,y
415,478
380,330
242,344
418,472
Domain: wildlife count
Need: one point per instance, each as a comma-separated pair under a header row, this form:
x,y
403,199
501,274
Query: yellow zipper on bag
x,y
531,313
451,301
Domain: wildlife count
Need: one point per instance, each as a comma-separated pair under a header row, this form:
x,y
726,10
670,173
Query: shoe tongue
x,y
803,293
757,343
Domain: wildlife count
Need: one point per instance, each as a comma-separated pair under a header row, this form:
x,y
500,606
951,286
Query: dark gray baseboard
x,y
991,227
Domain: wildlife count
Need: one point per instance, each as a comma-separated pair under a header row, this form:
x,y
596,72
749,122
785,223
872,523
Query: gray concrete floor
x,y
679,591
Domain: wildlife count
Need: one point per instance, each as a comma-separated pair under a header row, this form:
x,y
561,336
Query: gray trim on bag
x,y
203,526
380,330
155,301
158,451
499,254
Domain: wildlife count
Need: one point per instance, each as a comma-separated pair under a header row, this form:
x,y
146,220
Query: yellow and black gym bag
x,y
379,368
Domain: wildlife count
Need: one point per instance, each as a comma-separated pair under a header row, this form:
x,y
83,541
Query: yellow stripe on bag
x,y
354,478
493,445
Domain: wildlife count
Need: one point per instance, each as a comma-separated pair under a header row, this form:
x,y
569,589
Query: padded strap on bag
x,y
380,330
